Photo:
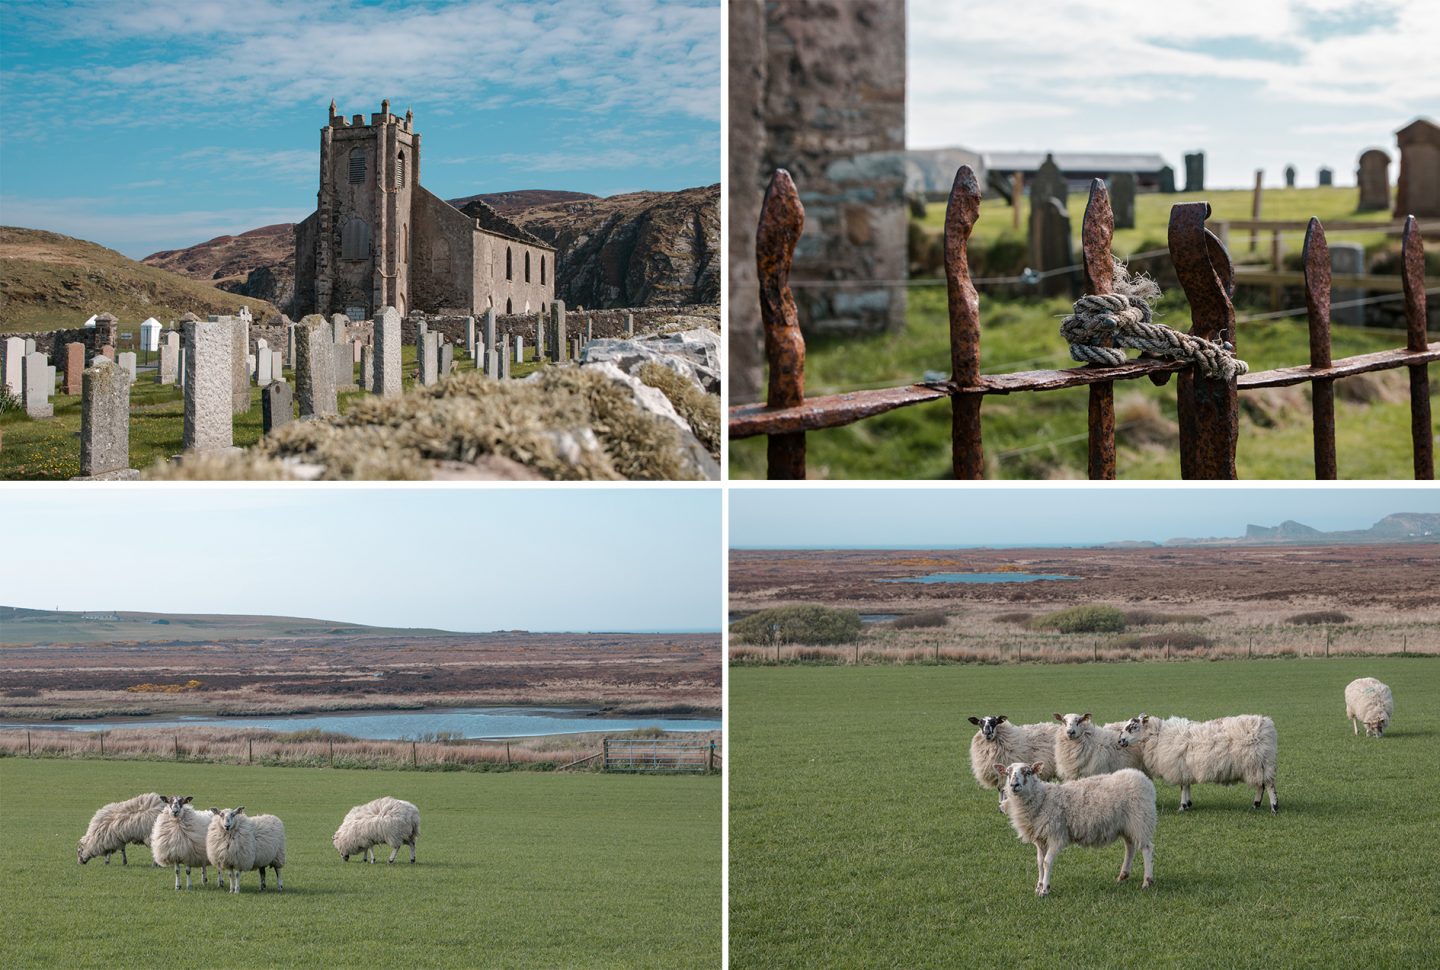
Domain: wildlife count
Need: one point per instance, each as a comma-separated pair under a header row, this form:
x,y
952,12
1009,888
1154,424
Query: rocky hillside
x,y
641,249
1398,527
49,281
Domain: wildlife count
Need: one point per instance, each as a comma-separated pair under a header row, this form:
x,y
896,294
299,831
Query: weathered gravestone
x,y
505,357
519,349
338,324
39,382
127,363
490,328
30,346
252,366
629,325
209,384
492,363
264,367
367,370
1122,199
1289,176
239,363
387,352
14,366
470,337
105,423
277,405
1347,258
290,343
539,334
557,332
1195,172
1050,246
1048,183
428,359
106,350
315,367
1373,177
74,367
343,359
277,366
169,358
1417,189
447,358
1326,176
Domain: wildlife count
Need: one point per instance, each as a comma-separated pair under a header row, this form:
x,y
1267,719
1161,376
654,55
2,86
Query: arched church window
x,y
527,265
355,239
509,272
542,270
357,165
509,306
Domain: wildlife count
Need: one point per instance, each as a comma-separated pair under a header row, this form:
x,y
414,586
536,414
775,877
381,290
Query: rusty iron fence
x,y
1207,407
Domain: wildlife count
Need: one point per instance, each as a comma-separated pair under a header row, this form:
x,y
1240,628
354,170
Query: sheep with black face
x,y
999,741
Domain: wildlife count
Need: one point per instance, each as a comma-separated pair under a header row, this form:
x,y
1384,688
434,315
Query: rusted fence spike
x,y
1208,409
968,460
782,219
1096,235
1422,434
1316,259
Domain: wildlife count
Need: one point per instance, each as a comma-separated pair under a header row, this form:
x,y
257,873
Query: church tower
x,y
362,241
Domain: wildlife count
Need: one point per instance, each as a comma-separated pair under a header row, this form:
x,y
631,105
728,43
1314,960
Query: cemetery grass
x,y
858,835
514,870
49,448
1031,436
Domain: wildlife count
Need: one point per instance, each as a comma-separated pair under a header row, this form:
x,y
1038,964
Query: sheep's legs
x,y
1039,867
1354,724
1048,870
262,879
124,859
412,853
279,883
177,875
370,855
1185,804
1129,857
394,851
1148,852
1259,794
1274,798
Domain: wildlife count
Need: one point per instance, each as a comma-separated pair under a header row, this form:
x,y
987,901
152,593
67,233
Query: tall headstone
x,y
169,357
492,364
355,346
127,363
239,363
74,367
1347,259
277,405
106,350
105,423
447,358
1417,189
1195,172
1326,176
367,370
505,357
38,385
1289,176
629,325
264,372
387,352
14,366
277,366
470,337
344,363
209,385
519,348
315,367
338,324
1050,246
539,335
1373,177
290,343
490,328
1049,183
1122,199
180,366
428,359
557,331
30,347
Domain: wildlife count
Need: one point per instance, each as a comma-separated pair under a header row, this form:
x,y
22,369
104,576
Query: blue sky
x,y
1075,514
1255,83
468,559
156,125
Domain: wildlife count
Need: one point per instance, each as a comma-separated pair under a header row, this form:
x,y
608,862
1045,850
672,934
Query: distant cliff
x,y
1399,527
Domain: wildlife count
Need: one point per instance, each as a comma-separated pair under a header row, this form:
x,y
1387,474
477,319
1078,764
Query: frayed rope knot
x,y
1102,325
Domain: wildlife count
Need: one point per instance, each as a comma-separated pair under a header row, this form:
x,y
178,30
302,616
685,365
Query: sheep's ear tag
x,y
1037,766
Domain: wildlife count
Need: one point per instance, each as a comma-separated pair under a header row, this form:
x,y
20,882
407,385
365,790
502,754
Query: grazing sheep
x,y
117,825
1369,702
269,847
178,838
230,843
386,820
1092,811
1000,742
1083,748
1225,751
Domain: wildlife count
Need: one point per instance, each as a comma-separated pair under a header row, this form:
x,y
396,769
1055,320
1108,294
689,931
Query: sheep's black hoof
x,y
1257,804
1275,809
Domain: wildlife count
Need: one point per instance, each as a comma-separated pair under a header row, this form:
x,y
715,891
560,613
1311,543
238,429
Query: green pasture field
x,y
859,838
514,870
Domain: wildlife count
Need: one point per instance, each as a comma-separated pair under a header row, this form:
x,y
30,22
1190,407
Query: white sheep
x,y
269,847
230,843
178,838
1225,751
117,825
1369,702
1083,748
388,821
1000,742
1092,812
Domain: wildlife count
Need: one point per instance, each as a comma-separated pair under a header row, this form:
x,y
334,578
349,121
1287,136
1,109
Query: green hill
x,y
20,626
49,281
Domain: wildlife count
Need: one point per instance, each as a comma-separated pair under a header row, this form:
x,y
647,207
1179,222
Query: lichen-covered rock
x,y
693,354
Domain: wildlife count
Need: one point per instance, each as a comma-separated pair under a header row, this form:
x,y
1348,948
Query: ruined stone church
x,y
378,238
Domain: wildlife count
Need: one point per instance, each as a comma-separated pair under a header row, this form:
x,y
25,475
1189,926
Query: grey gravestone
x,y
629,325
1050,246
387,352
30,346
277,405
519,349
252,366
1122,199
589,329
490,328
505,357
539,335
429,359
1417,188
355,346
557,331
1289,176
209,385
240,371
470,337
290,344
315,367
492,364
105,423
1374,180
1195,172
14,366
277,366
37,386
447,359
1327,177
180,369
344,367
264,372
127,363
1049,183
338,323
1347,258
367,370
169,358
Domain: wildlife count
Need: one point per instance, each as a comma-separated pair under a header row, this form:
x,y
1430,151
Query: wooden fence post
x,y
857,653
968,458
177,747
1316,260
29,749
1250,646
102,743
1412,262
1097,234
1327,643
710,760
1255,207
414,755
507,754
1208,407
332,754
1017,197
250,757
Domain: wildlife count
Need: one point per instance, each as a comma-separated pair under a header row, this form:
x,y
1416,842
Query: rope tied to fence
x,y
1103,325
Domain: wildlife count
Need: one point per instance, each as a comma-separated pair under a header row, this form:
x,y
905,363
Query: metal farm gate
x,y
659,755
1208,409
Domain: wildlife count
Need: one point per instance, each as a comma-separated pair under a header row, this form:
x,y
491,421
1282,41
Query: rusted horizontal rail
x,y
1343,281
1286,225
837,410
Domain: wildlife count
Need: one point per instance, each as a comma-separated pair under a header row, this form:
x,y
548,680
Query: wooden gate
x,y
659,755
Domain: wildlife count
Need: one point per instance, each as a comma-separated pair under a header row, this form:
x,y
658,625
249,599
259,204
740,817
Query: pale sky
x,y
1077,514
471,559
1254,83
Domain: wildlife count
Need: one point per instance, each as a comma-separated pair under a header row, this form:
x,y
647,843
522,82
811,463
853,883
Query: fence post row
x,y
1207,407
